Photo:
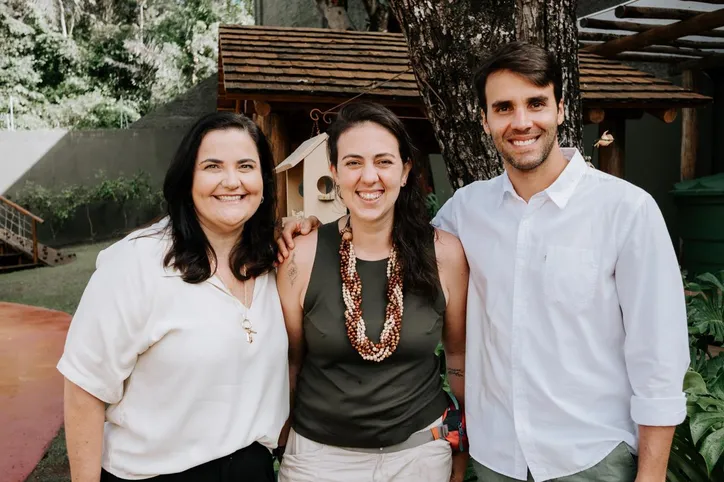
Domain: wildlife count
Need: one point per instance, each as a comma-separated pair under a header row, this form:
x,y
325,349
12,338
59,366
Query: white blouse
x,y
172,361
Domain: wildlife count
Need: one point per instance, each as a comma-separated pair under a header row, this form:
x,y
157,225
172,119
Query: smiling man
x,y
576,323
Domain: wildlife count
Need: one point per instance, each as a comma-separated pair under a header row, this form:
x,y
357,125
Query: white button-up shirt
x,y
172,361
576,321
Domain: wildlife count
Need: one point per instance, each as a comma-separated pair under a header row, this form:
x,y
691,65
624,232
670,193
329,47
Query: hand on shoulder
x,y
290,230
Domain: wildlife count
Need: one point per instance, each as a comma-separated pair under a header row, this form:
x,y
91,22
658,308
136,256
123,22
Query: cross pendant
x,y
249,333
246,325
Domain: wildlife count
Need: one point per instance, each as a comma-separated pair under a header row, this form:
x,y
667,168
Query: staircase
x,y
19,246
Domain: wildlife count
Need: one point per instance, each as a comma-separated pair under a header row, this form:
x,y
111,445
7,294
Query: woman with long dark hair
x,y
175,361
366,300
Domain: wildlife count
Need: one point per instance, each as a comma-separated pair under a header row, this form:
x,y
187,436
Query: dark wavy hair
x,y
191,253
412,232
530,61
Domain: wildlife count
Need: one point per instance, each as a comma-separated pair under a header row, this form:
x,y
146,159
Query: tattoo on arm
x,y
456,372
293,270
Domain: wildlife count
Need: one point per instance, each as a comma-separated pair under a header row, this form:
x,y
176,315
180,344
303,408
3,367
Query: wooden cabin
x,y
284,77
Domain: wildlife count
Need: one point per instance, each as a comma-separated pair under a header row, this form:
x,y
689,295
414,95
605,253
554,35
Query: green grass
x,y
58,288
53,467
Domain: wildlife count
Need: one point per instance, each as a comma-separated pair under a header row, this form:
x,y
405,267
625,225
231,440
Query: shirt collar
x,y
562,188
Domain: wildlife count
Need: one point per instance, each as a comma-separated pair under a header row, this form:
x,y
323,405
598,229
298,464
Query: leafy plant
x,y
57,207
432,203
705,307
698,448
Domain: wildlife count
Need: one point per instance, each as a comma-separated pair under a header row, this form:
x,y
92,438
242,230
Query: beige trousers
x,y
309,461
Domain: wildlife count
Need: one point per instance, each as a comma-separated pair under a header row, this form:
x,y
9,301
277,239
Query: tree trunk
x,y
335,14
141,8
447,40
379,14
61,10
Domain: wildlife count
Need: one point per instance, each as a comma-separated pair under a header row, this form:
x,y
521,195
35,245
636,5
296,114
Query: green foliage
x,y
432,203
698,448
706,307
115,60
58,207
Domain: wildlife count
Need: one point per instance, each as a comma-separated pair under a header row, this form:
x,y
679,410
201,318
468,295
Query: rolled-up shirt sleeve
x,y
446,217
651,295
109,327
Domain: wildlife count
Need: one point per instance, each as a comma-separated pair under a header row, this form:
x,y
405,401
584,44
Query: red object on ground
x,y
31,389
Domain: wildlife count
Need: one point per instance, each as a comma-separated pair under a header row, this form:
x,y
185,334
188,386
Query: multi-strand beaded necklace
x,y
352,295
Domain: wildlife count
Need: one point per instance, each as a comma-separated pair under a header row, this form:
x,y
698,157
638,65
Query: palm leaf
x,y
685,462
712,448
694,383
703,422
712,282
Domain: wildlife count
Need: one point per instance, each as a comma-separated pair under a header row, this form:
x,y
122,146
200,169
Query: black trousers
x,y
250,464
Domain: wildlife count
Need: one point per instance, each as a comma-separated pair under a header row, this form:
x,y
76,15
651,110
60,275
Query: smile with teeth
x,y
524,143
235,197
370,196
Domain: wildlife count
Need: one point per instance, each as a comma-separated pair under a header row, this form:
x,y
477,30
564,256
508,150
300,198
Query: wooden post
x,y
593,116
274,128
665,115
35,241
689,133
612,158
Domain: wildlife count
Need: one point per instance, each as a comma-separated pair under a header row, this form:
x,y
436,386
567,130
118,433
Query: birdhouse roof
x,y
302,152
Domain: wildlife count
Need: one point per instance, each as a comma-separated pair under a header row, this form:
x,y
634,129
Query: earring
x,y
338,191
262,199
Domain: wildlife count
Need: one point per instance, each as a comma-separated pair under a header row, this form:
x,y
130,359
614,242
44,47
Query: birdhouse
x,y
310,188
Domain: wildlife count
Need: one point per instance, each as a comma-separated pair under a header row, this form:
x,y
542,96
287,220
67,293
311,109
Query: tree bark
x,y
447,40
335,13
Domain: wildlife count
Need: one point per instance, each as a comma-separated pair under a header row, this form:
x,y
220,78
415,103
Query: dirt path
x,y
31,389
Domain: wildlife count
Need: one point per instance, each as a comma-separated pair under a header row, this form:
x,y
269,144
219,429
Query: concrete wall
x,y
21,150
57,158
77,156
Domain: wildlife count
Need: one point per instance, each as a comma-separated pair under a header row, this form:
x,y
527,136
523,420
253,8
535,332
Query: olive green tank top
x,y
342,399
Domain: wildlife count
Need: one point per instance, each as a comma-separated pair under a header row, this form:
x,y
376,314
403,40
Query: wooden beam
x,y
275,130
262,108
612,158
666,59
689,133
289,101
35,241
665,49
666,115
644,27
626,11
604,37
710,62
693,26
713,2
593,116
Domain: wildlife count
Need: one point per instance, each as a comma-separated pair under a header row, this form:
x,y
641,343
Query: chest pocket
x,y
570,275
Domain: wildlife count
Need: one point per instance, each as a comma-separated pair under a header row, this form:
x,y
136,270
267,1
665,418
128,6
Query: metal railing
x,y
16,220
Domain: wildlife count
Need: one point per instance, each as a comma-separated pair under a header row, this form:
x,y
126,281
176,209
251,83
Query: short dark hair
x,y
412,232
534,63
256,250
